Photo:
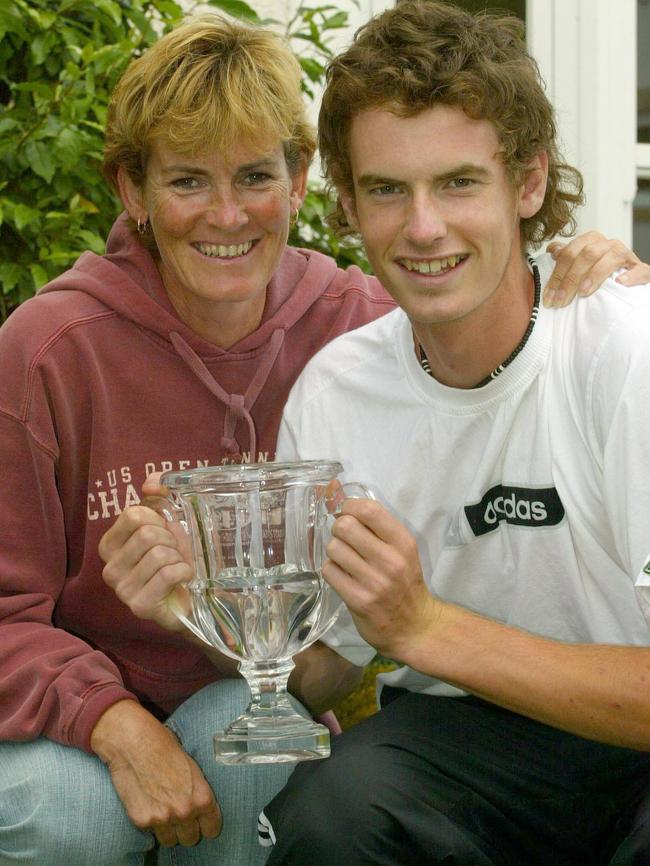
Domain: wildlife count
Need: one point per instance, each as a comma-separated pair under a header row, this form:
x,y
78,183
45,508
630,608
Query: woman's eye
x,y
257,177
185,183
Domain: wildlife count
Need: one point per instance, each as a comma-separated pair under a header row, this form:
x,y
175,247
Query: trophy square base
x,y
251,744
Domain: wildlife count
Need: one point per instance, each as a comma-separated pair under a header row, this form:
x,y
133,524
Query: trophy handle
x,y
174,517
189,622
337,493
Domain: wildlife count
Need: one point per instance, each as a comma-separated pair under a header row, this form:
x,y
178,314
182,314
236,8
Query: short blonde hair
x,y
212,81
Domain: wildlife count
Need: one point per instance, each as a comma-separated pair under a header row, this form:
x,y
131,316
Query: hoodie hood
x,y
127,280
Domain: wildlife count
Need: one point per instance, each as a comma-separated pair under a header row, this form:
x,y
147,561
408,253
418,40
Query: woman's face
x,y
220,223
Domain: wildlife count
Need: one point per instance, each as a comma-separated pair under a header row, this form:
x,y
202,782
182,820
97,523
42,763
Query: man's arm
x,y
594,690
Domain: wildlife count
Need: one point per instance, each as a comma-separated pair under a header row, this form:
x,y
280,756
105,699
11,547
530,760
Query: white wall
x,y
587,54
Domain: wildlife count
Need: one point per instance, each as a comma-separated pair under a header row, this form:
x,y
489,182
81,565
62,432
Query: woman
x,y
175,349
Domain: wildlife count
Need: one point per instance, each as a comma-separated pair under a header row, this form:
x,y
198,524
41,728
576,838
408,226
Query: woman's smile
x,y
222,251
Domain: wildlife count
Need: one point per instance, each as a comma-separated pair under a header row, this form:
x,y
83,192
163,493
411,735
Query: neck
x,y
223,324
465,352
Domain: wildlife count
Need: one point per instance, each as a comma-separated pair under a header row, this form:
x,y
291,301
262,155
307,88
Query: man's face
x,y
438,215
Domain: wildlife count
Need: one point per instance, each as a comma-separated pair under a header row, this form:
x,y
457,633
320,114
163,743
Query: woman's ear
x,y
533,189
298,187
131,196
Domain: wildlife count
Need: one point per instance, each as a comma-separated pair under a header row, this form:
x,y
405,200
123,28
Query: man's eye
x,y
383,189
461,183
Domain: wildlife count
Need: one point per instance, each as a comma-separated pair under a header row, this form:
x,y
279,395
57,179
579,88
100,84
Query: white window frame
x,y
643,161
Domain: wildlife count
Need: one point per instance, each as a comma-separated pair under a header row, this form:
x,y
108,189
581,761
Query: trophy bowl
x,y
258,534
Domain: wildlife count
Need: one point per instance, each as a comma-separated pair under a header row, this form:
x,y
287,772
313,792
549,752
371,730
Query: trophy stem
x,y
267,681
273,729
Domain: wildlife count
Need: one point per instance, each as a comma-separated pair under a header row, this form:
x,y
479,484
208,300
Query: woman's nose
x,y
225,211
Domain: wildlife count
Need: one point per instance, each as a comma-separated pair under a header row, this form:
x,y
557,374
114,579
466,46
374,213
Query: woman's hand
x,y
374,565
148,561
161,787
584,263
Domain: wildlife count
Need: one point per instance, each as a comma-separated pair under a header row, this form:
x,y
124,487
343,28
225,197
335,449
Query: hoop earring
x,y
293,219
143,226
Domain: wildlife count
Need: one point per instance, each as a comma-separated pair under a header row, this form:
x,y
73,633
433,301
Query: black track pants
x,y
432,780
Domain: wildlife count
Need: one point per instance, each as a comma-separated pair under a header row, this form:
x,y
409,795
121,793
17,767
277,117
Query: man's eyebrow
x,y
465,169
366,180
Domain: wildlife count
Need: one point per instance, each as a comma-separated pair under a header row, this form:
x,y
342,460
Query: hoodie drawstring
x,y
238,406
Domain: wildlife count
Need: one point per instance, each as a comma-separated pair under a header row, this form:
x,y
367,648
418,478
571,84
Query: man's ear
x,y
349,207
533,189
131,196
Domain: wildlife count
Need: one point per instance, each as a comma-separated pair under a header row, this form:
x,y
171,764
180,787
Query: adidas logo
x,y
520,506
509,506
265,834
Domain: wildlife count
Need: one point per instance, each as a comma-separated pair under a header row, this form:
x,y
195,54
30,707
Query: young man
x,y
503,565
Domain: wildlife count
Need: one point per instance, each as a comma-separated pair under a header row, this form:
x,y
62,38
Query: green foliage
x,y
59,61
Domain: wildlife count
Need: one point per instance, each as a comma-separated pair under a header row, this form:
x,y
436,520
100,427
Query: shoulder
x,y
41,320
352,361
41,345
336,282
613,321
600,355
612,324
338,388
312,295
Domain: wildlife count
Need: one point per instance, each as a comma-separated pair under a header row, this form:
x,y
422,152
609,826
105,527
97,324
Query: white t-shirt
x,y
529,497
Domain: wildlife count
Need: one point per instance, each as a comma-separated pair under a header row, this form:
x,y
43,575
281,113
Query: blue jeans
x,y
58,806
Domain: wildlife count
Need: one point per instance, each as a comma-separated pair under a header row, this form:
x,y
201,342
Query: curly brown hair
x,y
422,53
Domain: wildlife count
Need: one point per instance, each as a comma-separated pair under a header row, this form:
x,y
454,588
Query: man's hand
x,y
374,565
584,263
593,690
161,787
148,561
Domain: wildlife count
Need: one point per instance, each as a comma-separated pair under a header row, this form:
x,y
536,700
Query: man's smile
x,y
431,266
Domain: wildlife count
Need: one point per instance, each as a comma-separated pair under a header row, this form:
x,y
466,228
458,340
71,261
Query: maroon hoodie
x,y
101,385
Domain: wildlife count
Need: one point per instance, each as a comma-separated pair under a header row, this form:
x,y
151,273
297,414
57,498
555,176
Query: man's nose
x,y
425,221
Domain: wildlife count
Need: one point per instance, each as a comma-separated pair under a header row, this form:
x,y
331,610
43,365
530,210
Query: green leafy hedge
x,y
59,61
